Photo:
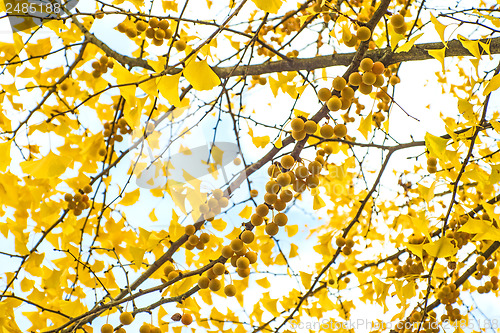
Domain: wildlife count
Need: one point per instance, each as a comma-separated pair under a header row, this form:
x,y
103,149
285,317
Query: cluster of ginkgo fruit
x,y
484,268
101,66
195,241
278,195
111,132
156,30
345,245
362,34
410,267
214,205
80,201
127,318
448,294
398,22
414,323
301,128
431,164
459,238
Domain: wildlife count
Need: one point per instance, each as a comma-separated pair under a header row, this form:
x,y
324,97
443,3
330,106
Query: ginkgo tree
x,y
327,198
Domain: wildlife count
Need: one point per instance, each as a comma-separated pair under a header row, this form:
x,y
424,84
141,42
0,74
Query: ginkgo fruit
x,y
186,318
324,94
230,290
150,33
273,171
326,131
163,24
272,186
286,195
203,282
271,229
340,241
193,240
299,135
365,89
299,186
355,79
297,124
227,252
340,130
279,205
369,78
154,329
366,64
107,328
339,83
379,81
254,193
247,236
251,256
217,193
432,161
314,167
172,275
394,80
310,126
256,220
214,285
262,210
242,263
347,93
287,161
219,268
190,229
312,181
126,318
180,45
159,34
283,179
334,103
153,22
141,26
280,219
270,198
378,68
301,172
237,244
243,272
397,20
363,34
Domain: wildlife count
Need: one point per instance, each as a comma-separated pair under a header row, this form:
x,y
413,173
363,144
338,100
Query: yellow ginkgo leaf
x,y
306,279
435,145
409,44
200,75
441,248
270,6
438,55
365,126
5,155
137,255
246,212
440,28
130,198
318,202
493,85
49,166
169,88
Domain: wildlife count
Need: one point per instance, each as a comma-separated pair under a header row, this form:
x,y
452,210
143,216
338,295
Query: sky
x,y
418,94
